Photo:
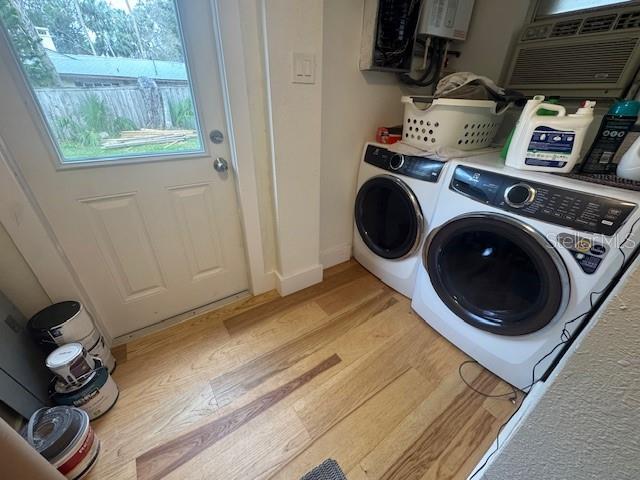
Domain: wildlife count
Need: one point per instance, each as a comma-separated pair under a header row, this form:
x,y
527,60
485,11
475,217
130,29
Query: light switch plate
x,y
303,67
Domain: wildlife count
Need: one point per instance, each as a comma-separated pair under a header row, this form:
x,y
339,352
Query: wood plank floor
x,y
269,387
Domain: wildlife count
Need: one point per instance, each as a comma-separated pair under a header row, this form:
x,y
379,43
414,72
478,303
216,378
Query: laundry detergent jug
x,y
548,143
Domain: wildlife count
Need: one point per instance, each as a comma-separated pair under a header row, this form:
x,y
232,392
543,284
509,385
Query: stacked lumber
x,y
147,136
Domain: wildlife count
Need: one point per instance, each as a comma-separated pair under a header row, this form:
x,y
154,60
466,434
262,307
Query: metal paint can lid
x,y
64,355
53,431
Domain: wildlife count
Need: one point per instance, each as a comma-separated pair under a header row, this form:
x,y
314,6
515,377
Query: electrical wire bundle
x,y
394,38
437,50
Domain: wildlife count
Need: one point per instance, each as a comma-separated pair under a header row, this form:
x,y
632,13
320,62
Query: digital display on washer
x,y
569,208
422,168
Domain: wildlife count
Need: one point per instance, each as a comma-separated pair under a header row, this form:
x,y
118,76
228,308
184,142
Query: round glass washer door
x,y
497,273
388,217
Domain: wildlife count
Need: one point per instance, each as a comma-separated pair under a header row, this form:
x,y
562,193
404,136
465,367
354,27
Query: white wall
x,y
495,24
17,281
295,111
586,424
354,104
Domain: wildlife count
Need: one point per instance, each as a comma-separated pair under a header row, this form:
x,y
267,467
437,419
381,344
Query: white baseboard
x,y
297,281
335,255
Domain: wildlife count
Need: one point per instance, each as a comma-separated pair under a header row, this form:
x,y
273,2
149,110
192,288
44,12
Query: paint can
x,y
101,351
96,395
62,323
65,438
71,363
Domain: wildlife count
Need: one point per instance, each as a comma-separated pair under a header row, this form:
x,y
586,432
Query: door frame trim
x,y
233,79
33,236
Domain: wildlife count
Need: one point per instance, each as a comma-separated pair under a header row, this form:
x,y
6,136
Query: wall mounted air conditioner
x,y
588,54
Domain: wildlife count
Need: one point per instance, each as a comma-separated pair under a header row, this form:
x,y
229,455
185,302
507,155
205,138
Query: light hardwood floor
x,y
269,387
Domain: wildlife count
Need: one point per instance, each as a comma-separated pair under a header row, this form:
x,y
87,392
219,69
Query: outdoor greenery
x,y
94,27
88,126
27,44
182,114
76,152
97,123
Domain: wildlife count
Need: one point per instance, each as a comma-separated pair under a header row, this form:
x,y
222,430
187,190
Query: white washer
x,y
513,257
395,200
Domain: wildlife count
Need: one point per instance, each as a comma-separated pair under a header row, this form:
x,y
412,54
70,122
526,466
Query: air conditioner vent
x,y
601,23
566,28
584,63
628,20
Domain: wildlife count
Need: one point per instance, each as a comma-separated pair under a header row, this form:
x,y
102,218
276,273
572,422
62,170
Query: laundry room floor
x,y
269,387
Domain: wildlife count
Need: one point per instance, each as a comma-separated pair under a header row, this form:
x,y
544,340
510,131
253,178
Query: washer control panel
x,y
560,206
422,168
587,253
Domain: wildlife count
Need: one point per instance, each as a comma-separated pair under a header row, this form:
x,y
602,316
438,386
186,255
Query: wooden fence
x,y
59,104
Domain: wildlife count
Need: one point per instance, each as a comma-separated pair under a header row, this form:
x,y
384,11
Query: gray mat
x,y
327,470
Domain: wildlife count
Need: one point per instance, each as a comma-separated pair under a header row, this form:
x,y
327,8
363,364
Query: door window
x,y
388,217
495,275
110,77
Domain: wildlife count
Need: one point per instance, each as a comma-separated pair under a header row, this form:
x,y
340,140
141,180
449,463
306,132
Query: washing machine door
x,y
388,217
497,273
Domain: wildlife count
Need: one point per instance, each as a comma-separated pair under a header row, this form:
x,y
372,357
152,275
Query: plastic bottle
x,y
541,111
545,143
629,166
613,129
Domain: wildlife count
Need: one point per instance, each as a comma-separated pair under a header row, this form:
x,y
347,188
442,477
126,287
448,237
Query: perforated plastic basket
x,y
447,122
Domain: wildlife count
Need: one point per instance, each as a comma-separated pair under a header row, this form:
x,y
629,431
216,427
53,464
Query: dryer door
x,y
388,217
497,273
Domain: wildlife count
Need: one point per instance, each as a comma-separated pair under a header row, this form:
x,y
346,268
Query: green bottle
x,y
614,127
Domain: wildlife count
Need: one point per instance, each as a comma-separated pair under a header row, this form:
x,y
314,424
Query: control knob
x,y
519,195
396,161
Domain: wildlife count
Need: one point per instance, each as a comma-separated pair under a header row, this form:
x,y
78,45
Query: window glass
x,y
110,76
547,8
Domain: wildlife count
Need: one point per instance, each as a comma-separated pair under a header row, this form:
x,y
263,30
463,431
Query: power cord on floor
x,y
511,396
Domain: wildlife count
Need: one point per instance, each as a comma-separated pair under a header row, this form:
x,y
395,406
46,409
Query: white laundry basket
x,y
448,122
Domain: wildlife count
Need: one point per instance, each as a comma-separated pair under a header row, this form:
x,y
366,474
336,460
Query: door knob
x,y
220,165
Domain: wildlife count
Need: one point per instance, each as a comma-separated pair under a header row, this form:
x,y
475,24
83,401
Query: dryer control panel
x,y
422,168
560,206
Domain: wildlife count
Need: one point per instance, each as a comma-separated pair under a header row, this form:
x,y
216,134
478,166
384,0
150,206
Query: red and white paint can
x,y
65,438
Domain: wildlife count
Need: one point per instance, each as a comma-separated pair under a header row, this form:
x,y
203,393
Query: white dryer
x,y
396,197
515,260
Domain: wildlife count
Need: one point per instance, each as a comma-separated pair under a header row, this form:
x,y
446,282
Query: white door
x,y
105,132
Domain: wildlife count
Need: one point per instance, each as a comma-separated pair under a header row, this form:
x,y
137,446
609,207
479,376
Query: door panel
x,y
125,244
149,239
199,229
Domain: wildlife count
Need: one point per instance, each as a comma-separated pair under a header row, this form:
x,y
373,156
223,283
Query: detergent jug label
x,y
549,147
